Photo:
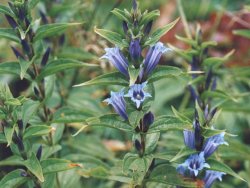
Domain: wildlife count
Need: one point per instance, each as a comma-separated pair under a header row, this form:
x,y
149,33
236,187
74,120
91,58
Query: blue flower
x,y
153,57
213,143
115,56
118,103
135,49
211,176
137,94
193,165
189,139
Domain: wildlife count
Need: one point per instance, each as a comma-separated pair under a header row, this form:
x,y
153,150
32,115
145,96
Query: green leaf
x,y
58,65
191,42
8,131
242,32
133,75
70,115
10,68
221,167
114,38
156,35
12,102
49,30
137,166
34,167
110,120
24,66
6,10
76,53
2,138
167,123
217,94
167,174
217,61
183,153
9,33
180,115
13,179
36,130
113,78
121,15
151,142
208,43
162,72
33,3
12,161
57,165
149,17
29,109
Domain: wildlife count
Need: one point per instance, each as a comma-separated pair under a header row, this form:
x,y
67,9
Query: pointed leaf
x,y
34,167
37,130
9,33
112,37
58,65
167,123
49,30
156,35
10,68
221,167
114,78
162,72
13,179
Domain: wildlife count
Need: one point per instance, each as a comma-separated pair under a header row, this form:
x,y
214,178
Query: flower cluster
x,y
137,91
195,163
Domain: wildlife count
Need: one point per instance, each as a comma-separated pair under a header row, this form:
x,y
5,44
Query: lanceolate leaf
x,y
120,14
10,68
56,165
29,109
114,78
34,166
49,30
70,115
37,130
6,10
243,32
13,179
221,167
112,37
156,35
167,174
61,64
167,123
162,72
149,16
9,33
109,120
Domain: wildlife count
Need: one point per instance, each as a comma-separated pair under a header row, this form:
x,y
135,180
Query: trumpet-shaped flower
x,y
193,165
211,176
137,94
117,101
135,49
115,56
153,57
213,143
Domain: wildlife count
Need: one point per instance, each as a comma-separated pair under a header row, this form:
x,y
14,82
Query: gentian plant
x,y
204,139
28,127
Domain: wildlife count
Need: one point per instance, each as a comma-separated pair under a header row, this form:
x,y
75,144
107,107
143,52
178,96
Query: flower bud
x,y
39,152
11,21
147,120
148,28
45,57
135,49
